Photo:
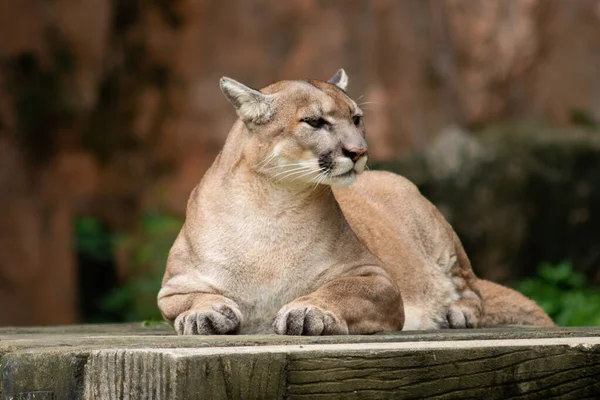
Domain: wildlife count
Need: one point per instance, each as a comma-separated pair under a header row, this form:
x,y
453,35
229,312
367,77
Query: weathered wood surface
x,y
529,364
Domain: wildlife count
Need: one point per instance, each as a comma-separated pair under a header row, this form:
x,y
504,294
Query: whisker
x,y
304,175
323,188
284,166
292,173
301,174
320,179
305,163
359,97
317,178
279,179
369,102
326,176
264,162
303,168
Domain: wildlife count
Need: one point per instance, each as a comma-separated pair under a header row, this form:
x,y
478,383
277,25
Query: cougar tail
x,y
504,306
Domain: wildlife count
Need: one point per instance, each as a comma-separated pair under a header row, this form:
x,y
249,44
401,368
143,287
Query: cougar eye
x,y
356,120
314,122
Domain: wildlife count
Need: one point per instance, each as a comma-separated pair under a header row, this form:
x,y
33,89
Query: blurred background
x,y
110,112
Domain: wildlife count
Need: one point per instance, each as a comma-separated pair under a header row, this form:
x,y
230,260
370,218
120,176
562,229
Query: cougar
x,y
286,232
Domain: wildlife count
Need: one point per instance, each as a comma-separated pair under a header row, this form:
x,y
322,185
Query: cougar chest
x,y
263,262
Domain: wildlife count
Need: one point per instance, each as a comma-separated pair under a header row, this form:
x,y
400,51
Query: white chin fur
x,y
341,166
361,164
344,165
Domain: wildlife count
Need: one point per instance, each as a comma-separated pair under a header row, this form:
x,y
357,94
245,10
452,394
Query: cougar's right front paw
x,y
217,319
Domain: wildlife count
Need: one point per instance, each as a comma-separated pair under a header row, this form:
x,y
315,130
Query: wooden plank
x,y
168,374
562,368
536,371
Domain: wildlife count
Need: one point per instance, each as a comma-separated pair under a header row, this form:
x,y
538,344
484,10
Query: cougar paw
x,y
305,319
218,319
461,316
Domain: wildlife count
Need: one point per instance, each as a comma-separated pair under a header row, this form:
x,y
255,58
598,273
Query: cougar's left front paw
x,y
301,318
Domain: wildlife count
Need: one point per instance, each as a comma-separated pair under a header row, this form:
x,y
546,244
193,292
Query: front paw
x,y
306,319
462,314
216,319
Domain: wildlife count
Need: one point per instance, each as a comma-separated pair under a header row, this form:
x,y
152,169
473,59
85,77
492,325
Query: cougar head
x,y
301,132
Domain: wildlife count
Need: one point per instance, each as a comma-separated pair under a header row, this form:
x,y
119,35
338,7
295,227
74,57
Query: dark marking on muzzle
x,y
326,162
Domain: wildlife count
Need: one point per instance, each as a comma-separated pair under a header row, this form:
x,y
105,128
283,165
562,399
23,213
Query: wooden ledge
x,y
491,364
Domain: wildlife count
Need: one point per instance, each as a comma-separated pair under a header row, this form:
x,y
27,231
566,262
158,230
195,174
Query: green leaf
x,y
564,294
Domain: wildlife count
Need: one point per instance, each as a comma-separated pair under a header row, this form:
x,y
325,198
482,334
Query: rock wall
x,y
108,108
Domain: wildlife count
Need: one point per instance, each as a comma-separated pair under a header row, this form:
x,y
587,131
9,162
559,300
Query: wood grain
x,y
567,368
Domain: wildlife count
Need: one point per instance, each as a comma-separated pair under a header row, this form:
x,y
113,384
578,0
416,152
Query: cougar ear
x,y
340,79
250,104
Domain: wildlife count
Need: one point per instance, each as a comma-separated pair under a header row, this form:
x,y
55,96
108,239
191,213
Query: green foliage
x,y
564,294
153,323
135,300
584,119
92,239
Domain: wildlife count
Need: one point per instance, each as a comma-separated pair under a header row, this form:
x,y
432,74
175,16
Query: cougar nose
x,y
354,153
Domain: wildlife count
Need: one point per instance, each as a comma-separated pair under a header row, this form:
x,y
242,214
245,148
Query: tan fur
x,y
402,228
504,306
409,235
267,245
